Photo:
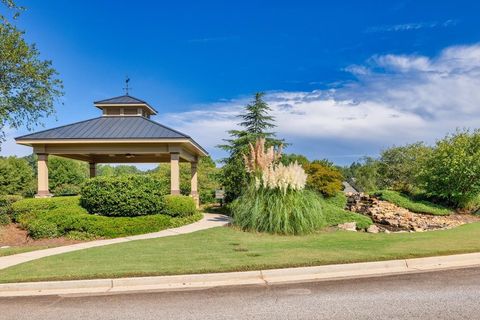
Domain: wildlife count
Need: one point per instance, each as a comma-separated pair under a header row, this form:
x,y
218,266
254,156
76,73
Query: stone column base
x,y
45,194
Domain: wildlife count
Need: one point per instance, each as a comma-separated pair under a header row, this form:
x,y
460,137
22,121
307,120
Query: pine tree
x,y
256,122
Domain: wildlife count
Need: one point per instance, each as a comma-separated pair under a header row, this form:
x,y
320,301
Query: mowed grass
x,y
228,249
15,250
414,205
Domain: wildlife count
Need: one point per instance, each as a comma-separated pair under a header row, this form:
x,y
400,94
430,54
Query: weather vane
x,y
127,80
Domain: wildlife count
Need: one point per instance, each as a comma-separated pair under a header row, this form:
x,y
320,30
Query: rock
x,y
396,218
4,247
373,229
386,231
348,226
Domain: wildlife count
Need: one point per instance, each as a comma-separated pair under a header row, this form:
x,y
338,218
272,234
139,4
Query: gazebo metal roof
x,y
110,127
124,100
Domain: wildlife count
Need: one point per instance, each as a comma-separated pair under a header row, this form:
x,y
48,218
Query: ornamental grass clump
x,y
276,200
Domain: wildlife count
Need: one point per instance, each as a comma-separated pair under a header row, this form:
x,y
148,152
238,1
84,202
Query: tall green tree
x,y
452,170
16,177
256,122
399,167
29,85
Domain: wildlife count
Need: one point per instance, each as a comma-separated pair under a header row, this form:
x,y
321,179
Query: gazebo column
x,y
42,175
174,173
93,169
194,183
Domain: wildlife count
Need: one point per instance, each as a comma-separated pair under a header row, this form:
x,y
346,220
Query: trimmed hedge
x,y
179,206
124,196
63,216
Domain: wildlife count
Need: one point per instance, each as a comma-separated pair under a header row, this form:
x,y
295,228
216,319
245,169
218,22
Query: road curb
x,y
261,277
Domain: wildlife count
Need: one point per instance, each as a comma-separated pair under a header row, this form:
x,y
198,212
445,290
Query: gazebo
x,y
123,134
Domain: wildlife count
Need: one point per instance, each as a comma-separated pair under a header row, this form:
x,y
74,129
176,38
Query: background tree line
x,y
447,172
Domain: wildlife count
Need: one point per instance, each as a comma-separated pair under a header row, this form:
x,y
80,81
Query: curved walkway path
x,y
209,220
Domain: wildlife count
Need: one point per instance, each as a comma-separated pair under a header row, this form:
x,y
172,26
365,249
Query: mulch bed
x,y
11,235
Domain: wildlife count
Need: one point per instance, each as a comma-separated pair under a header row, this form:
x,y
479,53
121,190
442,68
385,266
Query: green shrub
x,y
62,216
179,206
4,219
66,190
42,229
127,196
6,210
412,204
324,179
270,210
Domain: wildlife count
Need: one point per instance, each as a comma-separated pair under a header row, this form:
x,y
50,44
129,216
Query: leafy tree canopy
x,y
29,85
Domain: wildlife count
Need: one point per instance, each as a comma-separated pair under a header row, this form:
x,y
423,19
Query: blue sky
x,y
345,78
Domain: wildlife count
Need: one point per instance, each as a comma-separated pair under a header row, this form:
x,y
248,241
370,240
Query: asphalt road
x,y
453,294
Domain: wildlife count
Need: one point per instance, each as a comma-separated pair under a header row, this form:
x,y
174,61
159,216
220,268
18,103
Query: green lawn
x,y
414,205
228,249
15,250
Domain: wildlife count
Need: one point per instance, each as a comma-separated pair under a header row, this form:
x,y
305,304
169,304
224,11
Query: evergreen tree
x,y
256,123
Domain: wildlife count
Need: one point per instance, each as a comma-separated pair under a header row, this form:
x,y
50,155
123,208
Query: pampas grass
x,y
274,211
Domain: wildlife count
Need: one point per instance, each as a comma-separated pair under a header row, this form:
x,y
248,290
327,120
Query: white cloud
x,y
412,26
396,99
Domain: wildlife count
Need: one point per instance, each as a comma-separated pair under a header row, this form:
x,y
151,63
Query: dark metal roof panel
x,y
121,100
106,127
125,99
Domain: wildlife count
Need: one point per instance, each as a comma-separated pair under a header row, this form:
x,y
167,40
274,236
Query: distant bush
x,y
124,196
66,190
63,216
399,167
179,206
324,179
16,177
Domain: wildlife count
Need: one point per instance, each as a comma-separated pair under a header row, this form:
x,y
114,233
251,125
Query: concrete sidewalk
x,y
209,220
261,277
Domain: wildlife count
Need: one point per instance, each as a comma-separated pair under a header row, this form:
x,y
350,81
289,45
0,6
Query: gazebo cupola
x,y
123,134
125,106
